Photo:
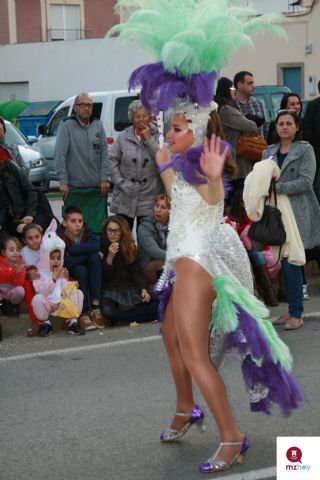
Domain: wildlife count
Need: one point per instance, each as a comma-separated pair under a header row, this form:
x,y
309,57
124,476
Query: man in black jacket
x,y
312,127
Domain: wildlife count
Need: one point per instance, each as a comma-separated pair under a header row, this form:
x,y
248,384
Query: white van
x,y
110,107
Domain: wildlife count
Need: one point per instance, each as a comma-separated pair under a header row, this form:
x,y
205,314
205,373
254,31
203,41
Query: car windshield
x,y
13,136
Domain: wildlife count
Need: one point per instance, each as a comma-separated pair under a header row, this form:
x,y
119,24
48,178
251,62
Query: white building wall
x,y
271,51
57,70
14,91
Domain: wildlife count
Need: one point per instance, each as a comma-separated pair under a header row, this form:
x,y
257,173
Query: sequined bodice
x,y
192,220
197,231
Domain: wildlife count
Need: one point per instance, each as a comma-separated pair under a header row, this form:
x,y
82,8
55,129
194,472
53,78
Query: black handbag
x,y
269,230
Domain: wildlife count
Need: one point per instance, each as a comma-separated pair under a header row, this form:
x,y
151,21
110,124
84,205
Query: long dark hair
x,y
237,211
297,121
223,95
285,98
127,245
215,126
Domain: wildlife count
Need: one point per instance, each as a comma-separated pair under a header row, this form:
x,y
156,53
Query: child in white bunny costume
x,y
55,294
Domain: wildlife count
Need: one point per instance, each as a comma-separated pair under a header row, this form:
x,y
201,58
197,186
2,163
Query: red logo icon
x,y
294,454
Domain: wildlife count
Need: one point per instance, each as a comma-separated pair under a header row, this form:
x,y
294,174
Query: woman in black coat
x,y
125,296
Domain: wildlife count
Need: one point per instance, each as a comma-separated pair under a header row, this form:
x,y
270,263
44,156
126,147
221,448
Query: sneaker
x,y
306,296
74,329
86,323
33,331
96,317
45,330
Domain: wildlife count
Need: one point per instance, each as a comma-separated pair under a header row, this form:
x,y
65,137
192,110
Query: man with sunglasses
x,y
81,162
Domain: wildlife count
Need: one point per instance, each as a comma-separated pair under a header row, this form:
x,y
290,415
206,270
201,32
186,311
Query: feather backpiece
x,y
192,36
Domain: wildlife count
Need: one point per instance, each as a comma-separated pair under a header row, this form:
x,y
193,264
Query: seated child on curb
x,y
12,276
84,265
31,236
55,295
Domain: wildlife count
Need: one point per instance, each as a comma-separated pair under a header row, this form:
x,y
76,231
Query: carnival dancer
x,y
205,258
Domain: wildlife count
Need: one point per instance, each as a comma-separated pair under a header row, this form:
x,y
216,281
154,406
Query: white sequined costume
x,y
197,231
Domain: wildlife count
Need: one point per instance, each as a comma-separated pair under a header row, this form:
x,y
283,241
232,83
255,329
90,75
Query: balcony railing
x,y
58,34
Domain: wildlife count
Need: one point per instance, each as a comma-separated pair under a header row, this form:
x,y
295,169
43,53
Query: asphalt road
x,y
92,408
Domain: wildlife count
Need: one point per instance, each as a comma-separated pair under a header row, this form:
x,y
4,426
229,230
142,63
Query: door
x,y
292,79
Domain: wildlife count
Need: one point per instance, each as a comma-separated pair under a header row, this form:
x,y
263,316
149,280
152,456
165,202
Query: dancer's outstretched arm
x,y
212,163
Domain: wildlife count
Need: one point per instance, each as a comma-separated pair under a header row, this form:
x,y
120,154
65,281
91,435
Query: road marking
x,y
311,314
88,348
305,315
83,348
252,475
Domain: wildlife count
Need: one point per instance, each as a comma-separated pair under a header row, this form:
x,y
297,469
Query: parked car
x,y
35,165
270,96
110,107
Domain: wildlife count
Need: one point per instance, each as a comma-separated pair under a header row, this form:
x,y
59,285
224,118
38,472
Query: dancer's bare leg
x,y
192,310
181,376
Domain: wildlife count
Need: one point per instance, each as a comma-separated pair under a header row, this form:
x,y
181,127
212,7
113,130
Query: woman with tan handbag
x,y
234,124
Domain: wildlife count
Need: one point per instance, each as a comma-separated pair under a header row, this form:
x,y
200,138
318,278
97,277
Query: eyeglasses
x,y
84,105
113,231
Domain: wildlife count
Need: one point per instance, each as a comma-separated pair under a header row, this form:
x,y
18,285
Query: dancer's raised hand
x,y
211,160
163,155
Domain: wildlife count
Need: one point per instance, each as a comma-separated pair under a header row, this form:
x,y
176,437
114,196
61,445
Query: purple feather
x,y
164,297
163,290
283,389
189,166
159,88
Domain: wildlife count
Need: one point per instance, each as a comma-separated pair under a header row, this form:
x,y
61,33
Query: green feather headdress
x,y
190,37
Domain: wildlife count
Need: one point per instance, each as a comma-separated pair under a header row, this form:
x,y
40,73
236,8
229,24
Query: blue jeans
x,y
293,281
89,276
142,312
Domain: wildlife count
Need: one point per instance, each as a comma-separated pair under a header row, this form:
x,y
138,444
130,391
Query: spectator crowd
x,y
90,271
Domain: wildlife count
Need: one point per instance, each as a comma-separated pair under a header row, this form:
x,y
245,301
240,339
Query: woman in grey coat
x,y
297,164
132,167
234,124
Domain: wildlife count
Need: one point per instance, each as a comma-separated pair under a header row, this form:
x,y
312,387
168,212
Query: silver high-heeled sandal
x,y
195,417
213,465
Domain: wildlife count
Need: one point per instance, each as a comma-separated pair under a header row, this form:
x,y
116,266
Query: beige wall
x,y
271,51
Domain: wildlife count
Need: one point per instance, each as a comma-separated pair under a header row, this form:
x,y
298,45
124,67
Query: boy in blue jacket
x,y
84,263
